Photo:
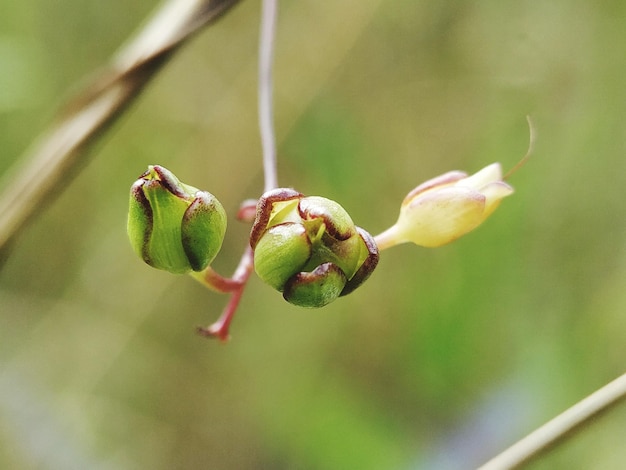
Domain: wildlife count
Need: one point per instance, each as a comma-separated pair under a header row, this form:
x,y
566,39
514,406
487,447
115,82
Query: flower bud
x,y
447,207
308,248
174,226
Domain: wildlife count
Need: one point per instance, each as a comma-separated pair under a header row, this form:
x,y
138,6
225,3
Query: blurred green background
x,y
442,359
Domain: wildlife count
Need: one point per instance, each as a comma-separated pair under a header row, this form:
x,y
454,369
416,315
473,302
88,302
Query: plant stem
x,y
532,136
564,425
210,279
266,118
387,239
45,170
237,283
220,329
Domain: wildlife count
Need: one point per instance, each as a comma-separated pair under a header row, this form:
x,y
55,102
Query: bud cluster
x,y
308,248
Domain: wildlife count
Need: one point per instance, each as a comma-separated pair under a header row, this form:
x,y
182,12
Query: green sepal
x,y
281,252
368,260
139,225
202,230
339,224
165,249
317,288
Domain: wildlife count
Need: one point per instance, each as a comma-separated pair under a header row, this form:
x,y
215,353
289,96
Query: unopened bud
x,y
174,226
309,249
447,207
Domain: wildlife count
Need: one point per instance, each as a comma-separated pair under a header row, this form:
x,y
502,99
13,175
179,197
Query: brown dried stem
x,y
56,155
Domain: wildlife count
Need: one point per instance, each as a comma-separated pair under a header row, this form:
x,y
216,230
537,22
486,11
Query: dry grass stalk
x,y
58,153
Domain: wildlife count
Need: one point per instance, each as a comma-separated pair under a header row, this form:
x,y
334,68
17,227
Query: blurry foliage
x,y
445,358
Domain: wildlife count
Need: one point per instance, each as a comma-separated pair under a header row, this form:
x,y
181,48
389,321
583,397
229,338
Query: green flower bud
x,y
174,226
317,288
309,249
288,242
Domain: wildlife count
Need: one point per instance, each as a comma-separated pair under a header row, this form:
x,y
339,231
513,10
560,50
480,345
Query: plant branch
x,y
237,284
220,329
266,117
46,167
564,425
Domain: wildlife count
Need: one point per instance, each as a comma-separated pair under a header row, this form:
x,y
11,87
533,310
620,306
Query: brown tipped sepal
x,y
174,226
309,248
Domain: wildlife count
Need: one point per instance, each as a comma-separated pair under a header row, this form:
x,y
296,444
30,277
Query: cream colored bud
x,y
447,207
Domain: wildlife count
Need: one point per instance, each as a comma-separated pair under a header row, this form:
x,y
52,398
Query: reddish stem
x,y
220,283
247,210
237,283
220,329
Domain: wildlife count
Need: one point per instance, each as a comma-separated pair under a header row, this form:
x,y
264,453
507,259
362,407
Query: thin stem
x,y
237,284
532,136
220,329
266,117
564,425
387,239
210,279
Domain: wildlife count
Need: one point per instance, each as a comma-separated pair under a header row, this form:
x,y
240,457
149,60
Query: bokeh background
x,y
442,359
